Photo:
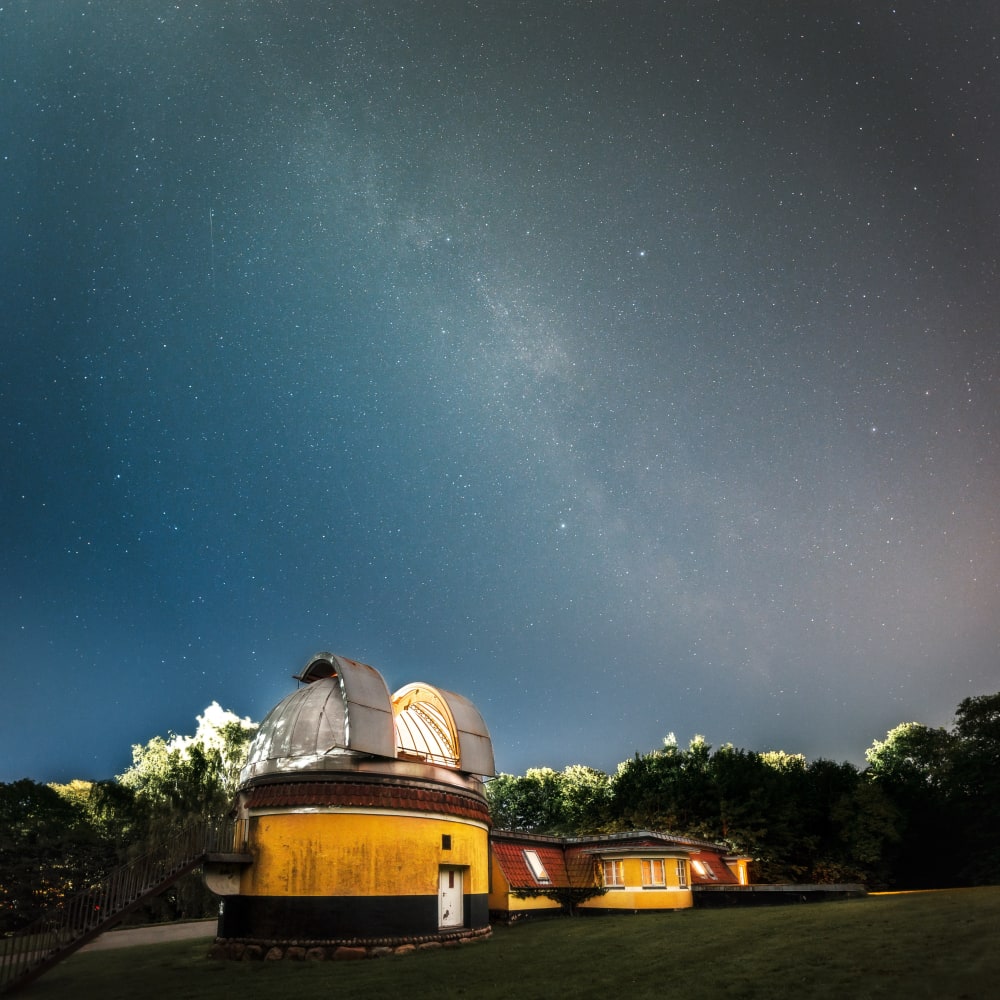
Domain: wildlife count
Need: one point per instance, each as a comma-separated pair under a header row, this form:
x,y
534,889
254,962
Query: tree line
x,y
923,813
59,839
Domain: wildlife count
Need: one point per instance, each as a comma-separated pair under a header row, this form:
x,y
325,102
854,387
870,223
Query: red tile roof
x,y
723,873
517,872
572,861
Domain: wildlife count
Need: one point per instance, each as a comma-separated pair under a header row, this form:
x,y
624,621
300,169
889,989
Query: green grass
x,y
938,945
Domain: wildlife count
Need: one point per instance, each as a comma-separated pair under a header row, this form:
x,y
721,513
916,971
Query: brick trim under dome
x,y
374,793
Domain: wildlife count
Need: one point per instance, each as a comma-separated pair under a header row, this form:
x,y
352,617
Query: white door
x,y
450,898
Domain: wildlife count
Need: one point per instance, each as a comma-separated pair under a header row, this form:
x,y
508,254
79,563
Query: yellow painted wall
x,y
634,897
355,854
529,903
641,899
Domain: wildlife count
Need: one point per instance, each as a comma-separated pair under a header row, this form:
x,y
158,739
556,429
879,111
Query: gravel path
x,y
153,934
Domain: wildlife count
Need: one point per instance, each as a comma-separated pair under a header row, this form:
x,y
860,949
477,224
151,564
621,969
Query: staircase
x,y
50,939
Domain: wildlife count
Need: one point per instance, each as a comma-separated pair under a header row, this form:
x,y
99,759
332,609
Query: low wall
x,y
718,896
254,950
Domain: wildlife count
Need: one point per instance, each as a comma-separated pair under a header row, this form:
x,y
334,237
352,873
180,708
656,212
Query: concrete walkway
x,y
153,934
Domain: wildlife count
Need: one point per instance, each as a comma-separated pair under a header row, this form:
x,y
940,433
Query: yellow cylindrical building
x,y
365,814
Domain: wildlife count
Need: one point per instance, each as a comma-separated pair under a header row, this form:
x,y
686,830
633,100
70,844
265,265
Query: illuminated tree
x,y
549,801
912,755
912,766
585,795
173,782
191,776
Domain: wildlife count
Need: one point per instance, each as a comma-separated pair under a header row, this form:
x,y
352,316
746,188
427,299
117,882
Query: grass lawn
x,y
939,945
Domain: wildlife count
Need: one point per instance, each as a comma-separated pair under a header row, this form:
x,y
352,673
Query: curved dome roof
x,y
345,712
300,724
441,727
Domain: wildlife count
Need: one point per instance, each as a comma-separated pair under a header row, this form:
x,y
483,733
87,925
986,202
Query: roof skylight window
x,y
536,867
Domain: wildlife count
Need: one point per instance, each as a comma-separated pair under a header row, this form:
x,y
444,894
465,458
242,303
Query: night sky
x,y
629,368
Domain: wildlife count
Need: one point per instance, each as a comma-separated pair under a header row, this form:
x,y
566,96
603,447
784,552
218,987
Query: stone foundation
x,y
246,950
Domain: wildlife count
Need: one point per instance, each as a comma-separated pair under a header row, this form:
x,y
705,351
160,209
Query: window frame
x,y
682,873
617,868
647,866
536,867
704,868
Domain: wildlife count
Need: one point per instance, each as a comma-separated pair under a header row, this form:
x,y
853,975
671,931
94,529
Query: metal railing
x,y
80,918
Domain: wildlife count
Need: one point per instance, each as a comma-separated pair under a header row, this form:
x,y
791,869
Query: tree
x,y
747,804
585,795
530,802
975,787
868,827
549,801
172,782
186,777
912,755
844,824
58,839
913,768
569,897
77,792
48,851
977,722
646,790
923,813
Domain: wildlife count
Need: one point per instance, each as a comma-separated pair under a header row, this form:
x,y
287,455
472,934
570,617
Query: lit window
x,y
536,866
652,872
703,868
614,874
682,874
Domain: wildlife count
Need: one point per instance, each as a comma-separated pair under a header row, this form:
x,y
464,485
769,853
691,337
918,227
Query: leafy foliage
x,y
922,814
173,781
575,800
48,850
56,840
569,897
976,783
191,775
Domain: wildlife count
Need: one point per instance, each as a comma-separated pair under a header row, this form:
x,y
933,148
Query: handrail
x,y
35,949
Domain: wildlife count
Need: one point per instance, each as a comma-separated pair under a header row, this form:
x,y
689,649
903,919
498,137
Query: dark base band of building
x,y
717,897
331,918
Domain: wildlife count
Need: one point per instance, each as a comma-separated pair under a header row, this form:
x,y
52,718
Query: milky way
x,y
628,368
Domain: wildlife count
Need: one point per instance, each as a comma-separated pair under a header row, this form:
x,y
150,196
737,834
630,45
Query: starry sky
x,y
629,368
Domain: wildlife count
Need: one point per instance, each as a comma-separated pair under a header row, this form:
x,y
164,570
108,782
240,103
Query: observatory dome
x,y
343,711
344,714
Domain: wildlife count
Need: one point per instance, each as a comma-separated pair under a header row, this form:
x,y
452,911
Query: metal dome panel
x,y
299,730
369,708
344,709
344,718
368,722
473,737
